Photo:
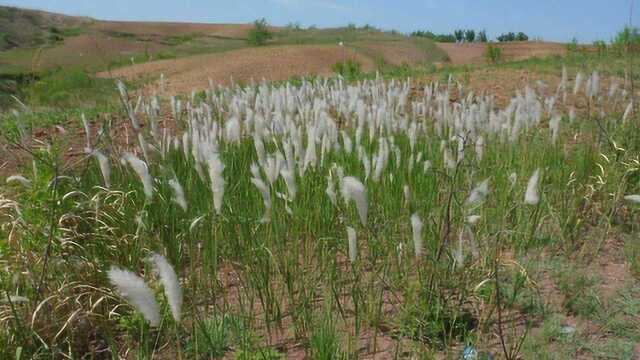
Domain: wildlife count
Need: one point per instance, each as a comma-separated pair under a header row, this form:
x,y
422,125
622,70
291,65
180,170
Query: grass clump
x,y
493,54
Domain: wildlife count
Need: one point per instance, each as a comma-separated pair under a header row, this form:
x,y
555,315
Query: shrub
x,y
493,54
349,69
259,34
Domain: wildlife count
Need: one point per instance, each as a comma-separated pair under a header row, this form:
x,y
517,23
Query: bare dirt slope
x,y
270,63
461,54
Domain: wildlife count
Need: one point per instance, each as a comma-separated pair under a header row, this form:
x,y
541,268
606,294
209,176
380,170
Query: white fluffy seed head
x,y
416,227
479,193
352,189
141,169
178,194
531,197
331,191
170,282
266,197
136,292
105,167
290,181
353,247
19,179
633,198
216,167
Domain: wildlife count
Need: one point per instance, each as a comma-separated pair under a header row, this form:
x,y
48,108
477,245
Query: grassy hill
x,y
36,41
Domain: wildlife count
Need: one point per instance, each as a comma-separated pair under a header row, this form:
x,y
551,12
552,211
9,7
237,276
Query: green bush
x,y
259,34
493,54
349,69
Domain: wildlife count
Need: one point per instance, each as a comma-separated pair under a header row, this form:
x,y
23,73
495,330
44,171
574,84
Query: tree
x,y
469,35
260,33
522,37
482,36
459,35
507,37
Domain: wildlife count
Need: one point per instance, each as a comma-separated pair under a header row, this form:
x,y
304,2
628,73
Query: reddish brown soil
x,y
174,29
460,54
93,50
393,52
271,63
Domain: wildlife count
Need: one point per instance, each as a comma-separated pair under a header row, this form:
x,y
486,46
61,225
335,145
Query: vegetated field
x,y
416,212
61,41
519,50
492,209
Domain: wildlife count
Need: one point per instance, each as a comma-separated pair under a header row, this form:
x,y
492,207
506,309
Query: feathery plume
x,y
633,198
105,167
216,167
290,181
87,134
416,226
353,249
478,193
19,179
531,197
140,168
578,83
473,219
352,189
331,192
627,112
266,197
178,193
136,292
170,282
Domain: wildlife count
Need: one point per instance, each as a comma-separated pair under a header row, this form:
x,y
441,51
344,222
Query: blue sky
x,y
557,20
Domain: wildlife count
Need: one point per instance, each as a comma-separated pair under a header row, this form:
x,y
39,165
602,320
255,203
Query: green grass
x,y
246,281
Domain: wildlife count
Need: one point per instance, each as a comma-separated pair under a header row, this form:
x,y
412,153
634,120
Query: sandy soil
x,y
270,63
474,53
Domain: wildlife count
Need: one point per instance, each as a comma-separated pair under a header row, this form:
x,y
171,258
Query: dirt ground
x,y
393,52
461,54
271,63
174,29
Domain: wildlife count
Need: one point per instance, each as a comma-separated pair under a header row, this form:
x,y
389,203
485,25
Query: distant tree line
x,y
469,36
513,37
